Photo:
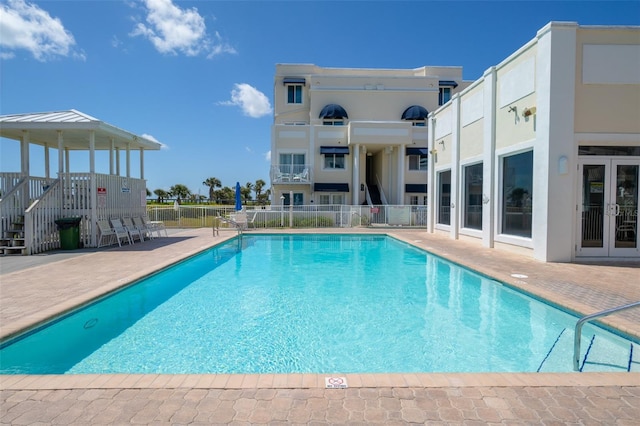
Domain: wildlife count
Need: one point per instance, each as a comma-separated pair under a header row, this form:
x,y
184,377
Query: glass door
x,y
609,207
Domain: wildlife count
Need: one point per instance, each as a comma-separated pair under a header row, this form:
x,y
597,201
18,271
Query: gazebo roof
x,y
43,130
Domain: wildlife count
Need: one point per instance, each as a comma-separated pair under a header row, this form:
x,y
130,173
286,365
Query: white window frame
x,y
293,87
498,236
424,162
441,95
463,204
324,162
334,198
333,122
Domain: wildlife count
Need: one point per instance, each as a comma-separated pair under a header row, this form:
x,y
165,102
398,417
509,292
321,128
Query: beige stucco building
x,y
540,155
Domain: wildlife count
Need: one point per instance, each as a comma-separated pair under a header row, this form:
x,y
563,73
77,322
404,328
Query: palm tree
x,y
247,191
180,191
161,194
257,187
212,183
225,195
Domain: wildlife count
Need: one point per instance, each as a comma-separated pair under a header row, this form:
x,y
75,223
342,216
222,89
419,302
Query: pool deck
x,y
35,288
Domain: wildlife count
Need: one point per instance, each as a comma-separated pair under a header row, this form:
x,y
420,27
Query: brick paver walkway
x,y
30,296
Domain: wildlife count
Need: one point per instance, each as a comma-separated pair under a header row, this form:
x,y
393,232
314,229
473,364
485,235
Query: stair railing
x,y
578,330
382,196
367,195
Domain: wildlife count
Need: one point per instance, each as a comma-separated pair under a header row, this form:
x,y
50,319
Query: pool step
x,y
602,355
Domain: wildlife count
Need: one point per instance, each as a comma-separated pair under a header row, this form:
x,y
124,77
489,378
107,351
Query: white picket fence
x,y
307,216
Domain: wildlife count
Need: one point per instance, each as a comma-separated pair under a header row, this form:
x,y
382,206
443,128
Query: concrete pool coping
x,y
30,296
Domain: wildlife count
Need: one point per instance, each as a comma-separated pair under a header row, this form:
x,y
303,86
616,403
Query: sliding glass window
x,y
517,193
444,197
473,196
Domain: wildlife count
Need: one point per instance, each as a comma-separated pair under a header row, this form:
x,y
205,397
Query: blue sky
x,y
197,76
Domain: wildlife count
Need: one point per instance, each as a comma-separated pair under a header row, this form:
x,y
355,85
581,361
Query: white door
x,y
608,213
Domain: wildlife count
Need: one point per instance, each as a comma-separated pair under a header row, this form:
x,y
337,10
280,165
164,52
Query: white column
x,y
355,195
554,188
430,173
128,161
24,166
24,153
60,154
112,153
93,188
401,166
455,167
47,172
141,163
92,151
118,161
489,175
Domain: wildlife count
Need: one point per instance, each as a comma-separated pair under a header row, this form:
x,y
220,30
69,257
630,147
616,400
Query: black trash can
x,y
69,229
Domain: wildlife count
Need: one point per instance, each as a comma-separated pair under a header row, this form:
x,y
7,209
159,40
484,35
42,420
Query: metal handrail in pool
x,y
578,331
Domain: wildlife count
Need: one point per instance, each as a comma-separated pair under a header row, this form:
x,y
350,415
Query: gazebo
x,y
30,205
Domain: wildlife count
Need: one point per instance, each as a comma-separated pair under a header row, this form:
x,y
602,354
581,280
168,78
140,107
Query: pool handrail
x,y
578,330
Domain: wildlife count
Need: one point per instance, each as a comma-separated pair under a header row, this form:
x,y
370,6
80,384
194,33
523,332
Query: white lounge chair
x,y
105,232
301,177
132,229
156,225
120,230
145,229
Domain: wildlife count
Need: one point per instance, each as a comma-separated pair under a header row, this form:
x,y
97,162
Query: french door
x,y
608,213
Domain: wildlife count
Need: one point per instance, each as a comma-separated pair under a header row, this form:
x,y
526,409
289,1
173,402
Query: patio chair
x,y
145,229
132,229
121,231
301,177
240,219
105,232
156,225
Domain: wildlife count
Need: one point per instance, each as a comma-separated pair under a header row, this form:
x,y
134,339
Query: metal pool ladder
x,y
578,331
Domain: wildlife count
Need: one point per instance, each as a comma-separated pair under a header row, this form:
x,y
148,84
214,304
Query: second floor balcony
x,y
290,173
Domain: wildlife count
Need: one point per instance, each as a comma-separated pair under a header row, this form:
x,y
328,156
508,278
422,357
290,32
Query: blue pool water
x,y
319,304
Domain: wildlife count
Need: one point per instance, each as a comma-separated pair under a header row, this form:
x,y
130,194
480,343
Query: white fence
x,y
308,216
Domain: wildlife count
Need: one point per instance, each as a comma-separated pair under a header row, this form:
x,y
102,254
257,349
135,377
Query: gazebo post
x,y
141,163
92,186
24,166
128,161
112,151
47,173
117,161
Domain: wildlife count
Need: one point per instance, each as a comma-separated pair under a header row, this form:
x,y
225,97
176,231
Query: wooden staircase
x,y
13,240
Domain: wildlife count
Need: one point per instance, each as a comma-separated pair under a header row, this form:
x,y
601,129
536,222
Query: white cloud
x,y
151,138
267,155
253,102
26,26
173,30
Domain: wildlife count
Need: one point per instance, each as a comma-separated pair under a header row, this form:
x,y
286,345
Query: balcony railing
x,y
290,173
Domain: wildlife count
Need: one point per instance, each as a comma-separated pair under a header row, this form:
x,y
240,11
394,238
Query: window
x,y
419,123
297,199
472,210
413,200
444,95
517,192
334,161
294,93
418,162
330,122
291,164
444,197
331,199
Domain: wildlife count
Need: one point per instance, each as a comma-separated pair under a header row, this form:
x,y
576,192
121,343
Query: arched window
x,y
333,115
416,114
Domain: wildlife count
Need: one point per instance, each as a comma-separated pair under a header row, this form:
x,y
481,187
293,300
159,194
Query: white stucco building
x,y
540,155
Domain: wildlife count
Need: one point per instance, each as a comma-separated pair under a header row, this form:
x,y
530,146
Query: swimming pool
x,y
314,303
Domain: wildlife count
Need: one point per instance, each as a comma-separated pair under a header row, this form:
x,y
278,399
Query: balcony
x,y
290,174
